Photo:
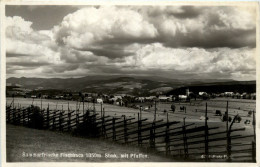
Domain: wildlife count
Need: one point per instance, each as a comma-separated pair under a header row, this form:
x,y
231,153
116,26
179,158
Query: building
x,y
140,99
164,98
228,94
187,92
202,93
150,98
99,100
182,97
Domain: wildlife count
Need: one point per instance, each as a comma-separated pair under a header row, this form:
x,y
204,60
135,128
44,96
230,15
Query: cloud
x,y
196,60
97,29
28,51
89,26
19,29
169,41
64,67
187,12
156,59
21,39
27,64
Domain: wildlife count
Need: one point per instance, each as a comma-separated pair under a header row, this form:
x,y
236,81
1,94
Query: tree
x,y
188,99
205,97
173,107
193,96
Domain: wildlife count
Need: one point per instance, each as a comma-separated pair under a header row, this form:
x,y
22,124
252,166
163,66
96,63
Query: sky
x,y
180,42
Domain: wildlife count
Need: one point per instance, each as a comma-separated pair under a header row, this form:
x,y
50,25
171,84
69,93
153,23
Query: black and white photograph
x,y
130,83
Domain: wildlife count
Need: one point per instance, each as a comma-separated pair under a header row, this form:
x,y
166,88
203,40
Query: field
x,y
21,139
235,106
194,111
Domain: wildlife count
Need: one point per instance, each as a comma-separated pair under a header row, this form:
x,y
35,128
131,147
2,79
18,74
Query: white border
x,y
125,2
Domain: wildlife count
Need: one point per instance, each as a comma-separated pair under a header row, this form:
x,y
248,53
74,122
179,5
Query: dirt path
x,y
49,146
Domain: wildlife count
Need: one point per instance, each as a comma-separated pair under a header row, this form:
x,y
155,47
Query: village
x,y
121,99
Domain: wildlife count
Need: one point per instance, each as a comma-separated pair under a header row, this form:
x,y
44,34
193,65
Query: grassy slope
x,y
22,139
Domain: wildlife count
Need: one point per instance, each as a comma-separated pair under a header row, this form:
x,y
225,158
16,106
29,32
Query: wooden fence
x,y
177,139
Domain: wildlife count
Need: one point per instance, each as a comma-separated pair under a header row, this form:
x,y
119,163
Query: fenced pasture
x,y
194,109
181,135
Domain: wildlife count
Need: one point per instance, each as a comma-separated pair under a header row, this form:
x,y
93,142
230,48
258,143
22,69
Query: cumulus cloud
x,y
27,49
100,29
92,25
170,41
193,60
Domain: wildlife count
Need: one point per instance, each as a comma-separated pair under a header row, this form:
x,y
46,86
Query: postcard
x,y
129,83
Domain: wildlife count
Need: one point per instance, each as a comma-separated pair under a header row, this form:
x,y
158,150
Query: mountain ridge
x,y
113,84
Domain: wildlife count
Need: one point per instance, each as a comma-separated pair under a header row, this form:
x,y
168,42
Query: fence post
x,y
206,134
114,130
140,127
28,115
95,118
13,101
14,115
8,110
60,121
167,149
83,109
94,107
85,116
152,142
77,117
140,112
155,110
53,120
228,147
253,152
41,102
48,116
69,116
154,134
253,123
19,117
228,137
139,131
185,144
253,142
101,109
104,124
125,130
86,120
23,118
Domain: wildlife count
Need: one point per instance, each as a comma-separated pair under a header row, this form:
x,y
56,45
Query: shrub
x,y
36,118
224,119
250,113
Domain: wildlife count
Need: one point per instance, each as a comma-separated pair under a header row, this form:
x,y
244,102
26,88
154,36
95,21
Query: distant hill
x,y
126,84
220,87
109,84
